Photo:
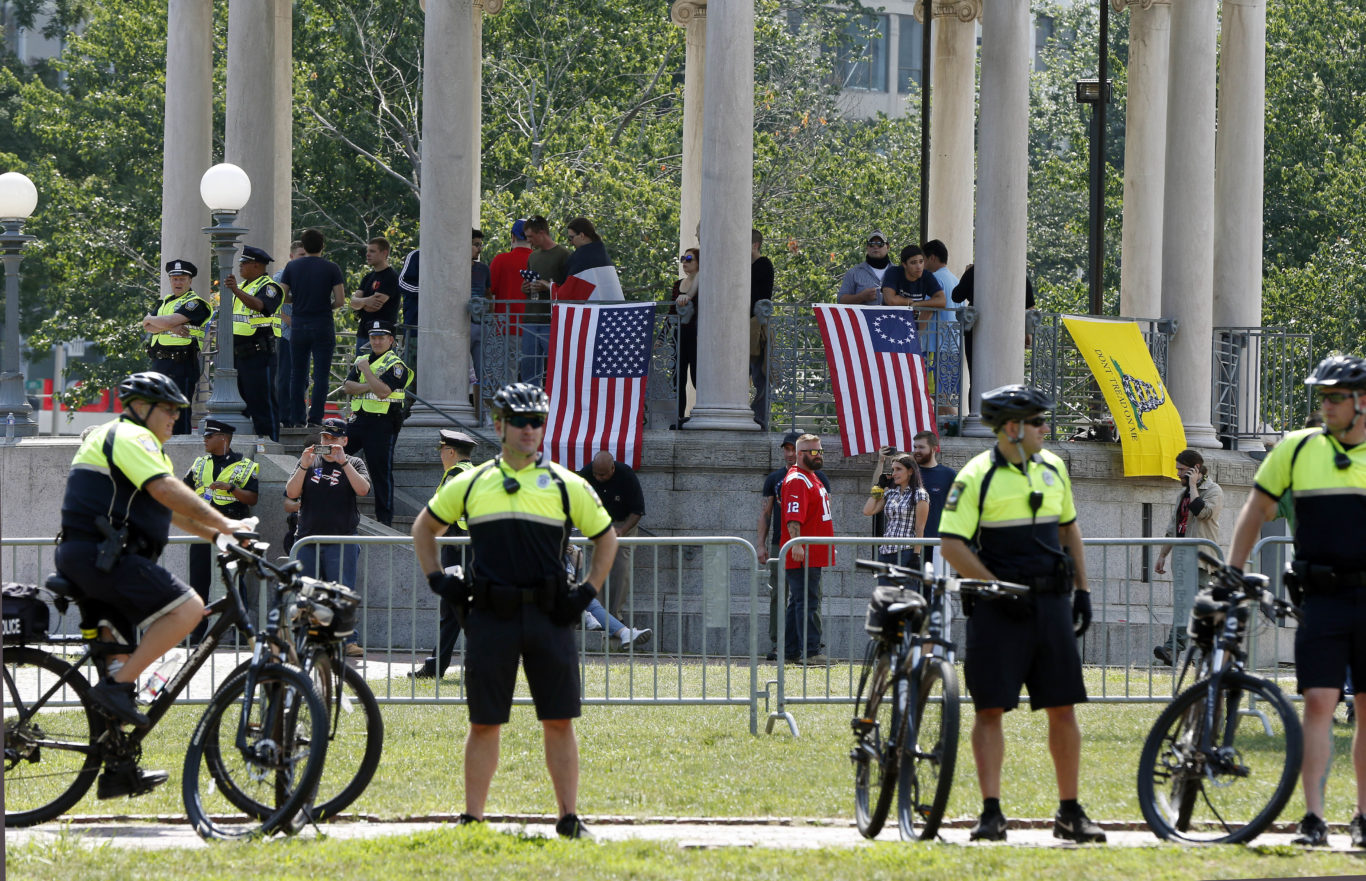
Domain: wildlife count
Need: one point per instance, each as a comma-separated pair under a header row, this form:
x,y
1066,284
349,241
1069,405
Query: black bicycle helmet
x,y
521,397
1009,402
152,386
1339,371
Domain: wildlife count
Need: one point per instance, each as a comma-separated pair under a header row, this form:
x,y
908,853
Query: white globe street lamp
x,y
225,188
18,198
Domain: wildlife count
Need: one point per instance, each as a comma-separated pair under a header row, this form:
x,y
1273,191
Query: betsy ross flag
x,y
595,377
878,373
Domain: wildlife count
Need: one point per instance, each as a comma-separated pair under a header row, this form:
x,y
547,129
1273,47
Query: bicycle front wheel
x,y
50,754
1232,791
356,735
263,745
929,750
874,753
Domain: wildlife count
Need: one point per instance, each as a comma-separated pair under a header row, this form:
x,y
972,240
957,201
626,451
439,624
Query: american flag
x,y
878,373
595,376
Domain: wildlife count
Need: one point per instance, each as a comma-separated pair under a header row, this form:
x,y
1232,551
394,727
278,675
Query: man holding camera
x,y
326,483
518,603
1010,516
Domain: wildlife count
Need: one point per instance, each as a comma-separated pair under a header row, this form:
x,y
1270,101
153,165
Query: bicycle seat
x,y
62,586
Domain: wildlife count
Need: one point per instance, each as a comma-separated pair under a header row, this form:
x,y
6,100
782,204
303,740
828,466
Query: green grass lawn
x,y
484,853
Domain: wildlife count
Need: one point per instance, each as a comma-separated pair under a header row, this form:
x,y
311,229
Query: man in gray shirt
x,y
547,261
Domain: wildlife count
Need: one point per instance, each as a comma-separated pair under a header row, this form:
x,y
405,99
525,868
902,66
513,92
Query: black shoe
x,y
1358,830
1163,654
118,699
426,671
771,656
1314,832
570,826
990,827
129,780
468,820
1076,826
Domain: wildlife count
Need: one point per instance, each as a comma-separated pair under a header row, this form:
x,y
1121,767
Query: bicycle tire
x,y
929,750
286,709
1189,795
350,745
51,753
874,754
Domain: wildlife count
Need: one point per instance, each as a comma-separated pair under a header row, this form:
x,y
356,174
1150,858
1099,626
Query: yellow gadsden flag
x,y
1146,420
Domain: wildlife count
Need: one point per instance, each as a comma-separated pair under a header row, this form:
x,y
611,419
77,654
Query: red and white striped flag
x,y
595,377
878,373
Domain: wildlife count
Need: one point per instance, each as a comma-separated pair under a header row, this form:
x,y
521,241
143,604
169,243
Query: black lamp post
x,y
1098,93
225,188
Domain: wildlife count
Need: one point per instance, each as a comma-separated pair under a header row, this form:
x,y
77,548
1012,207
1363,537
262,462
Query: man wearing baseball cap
x,y
770,529
862,284
378,382
177,328
253,339
505,277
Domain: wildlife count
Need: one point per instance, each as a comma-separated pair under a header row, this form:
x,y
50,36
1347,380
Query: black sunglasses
x,y
1037,421
876,243
1335,397
686,258
526,420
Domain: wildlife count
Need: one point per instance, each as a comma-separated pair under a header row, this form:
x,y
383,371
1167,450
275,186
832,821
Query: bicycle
x,y
268,711
1209,772
907,717
320,617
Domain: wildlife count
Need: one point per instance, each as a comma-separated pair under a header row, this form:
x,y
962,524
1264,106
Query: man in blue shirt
x,y
937,479
314,286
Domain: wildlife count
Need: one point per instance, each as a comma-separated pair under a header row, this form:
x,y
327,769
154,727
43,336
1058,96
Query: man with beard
x,y
937,479
806,512
862,284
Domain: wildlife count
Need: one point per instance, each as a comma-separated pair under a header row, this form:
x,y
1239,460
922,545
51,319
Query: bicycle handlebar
x,y
1250,588
903,574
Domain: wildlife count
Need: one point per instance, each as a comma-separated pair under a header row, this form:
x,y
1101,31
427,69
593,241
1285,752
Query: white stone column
x,y
250,136
1188,215
282,109
727,218
1145,156
953,79
1002,186
481,9
448,163
1238,160
188,136
692,16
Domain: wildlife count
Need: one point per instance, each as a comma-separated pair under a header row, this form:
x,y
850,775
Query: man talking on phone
x,y
326,483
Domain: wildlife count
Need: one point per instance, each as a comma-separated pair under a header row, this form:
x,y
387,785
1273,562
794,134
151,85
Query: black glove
x,y
445,586
580,595
1081,611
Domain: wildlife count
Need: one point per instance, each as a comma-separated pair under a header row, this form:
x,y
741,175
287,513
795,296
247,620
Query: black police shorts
x,y
547,652
1006,650
132,597
1331,636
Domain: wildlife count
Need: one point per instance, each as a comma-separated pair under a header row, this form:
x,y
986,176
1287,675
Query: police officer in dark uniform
x,y
227,480
1009,516
121,500
1324,469
520,508
379,380
253,339
177,329
456,449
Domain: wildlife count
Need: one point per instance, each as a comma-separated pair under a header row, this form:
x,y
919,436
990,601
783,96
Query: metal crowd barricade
x,y
799,386
1133,609
30,561
698,596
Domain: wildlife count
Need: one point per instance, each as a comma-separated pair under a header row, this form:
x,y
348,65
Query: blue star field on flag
x,y
618,351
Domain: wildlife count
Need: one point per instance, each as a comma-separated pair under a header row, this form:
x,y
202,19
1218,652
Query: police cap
x,y
251,253
379,326
218,426
458,439
182,267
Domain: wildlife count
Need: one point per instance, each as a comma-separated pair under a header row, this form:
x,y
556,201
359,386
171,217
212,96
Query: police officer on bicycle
x,y
1325,470
1009,516
122,498
520,508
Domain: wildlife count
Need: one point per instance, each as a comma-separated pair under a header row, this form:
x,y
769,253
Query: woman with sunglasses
x,y
684,297
903,501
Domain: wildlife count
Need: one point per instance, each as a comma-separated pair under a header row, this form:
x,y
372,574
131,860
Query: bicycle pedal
x,y
862,726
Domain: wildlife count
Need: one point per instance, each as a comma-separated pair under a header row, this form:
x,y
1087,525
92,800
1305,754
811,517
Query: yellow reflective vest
x,y
372,403
237,474
168,306
245,321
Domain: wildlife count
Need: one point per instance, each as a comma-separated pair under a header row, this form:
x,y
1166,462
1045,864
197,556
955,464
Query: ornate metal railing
x,y
1259,382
